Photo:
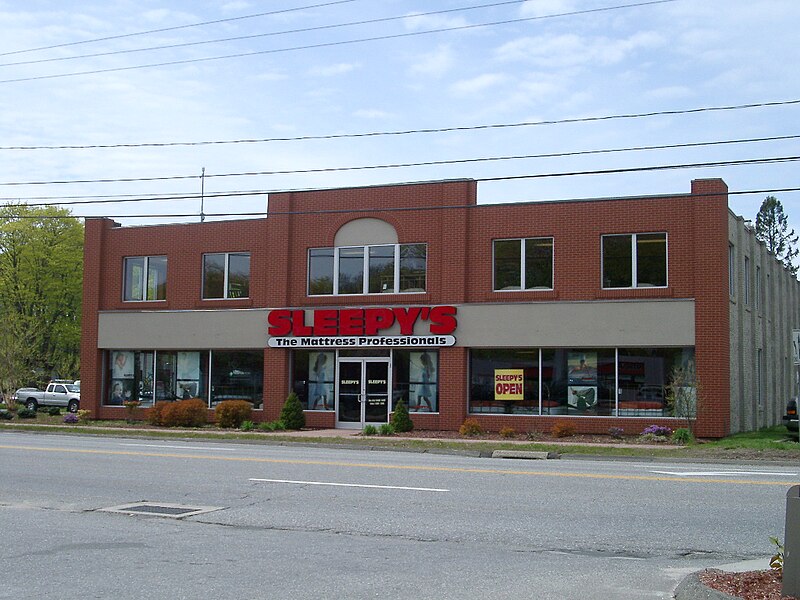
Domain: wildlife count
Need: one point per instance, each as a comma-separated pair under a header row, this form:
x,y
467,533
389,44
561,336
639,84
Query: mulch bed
x,y
750,585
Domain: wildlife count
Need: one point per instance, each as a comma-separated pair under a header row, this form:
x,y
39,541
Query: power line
x,y
616,171
373,210
414,164
331,44
419,131
259,35
176,27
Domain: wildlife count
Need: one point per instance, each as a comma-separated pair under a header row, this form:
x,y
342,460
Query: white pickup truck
x,y
58,393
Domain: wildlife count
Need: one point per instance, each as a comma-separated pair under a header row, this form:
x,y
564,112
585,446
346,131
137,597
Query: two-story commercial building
x,y
516,314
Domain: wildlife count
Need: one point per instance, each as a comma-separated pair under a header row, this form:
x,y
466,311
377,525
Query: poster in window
x,y
582,367
582,397
122,365
320,380
422,379
121,391
189,366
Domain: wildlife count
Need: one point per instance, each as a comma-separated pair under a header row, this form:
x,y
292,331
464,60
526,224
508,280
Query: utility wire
x,y
376,210
419,131
259,35
331,44
176,27
409,164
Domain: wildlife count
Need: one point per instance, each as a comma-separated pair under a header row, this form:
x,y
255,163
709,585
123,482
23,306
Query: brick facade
x,y
459,235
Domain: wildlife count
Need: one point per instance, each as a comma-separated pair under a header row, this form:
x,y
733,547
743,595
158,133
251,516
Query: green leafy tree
x,y
772,228
41,281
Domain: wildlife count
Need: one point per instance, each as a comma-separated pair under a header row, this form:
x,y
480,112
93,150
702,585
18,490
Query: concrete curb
x,y
691,588
529,455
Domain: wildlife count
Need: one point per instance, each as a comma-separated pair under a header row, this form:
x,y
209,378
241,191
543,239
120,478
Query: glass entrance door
x,y
363,392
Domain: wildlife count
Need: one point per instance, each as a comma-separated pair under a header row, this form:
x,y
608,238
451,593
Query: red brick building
x,y
517,314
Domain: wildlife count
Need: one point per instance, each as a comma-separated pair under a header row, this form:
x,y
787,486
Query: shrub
x,y
400,419
5,415
84,416
292,413
247,425
70,418
653,438
54,411
659,430
682,436
156,414
369,430
24,413
232,413
508,432
616,432
185,413
777,559
470,427
563,429
387,429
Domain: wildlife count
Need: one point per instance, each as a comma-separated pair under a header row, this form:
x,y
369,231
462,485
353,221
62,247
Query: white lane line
x,y
722,473
180,447
356,485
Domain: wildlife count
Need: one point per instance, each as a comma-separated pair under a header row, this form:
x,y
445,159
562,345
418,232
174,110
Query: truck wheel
x,y
72,406
31,404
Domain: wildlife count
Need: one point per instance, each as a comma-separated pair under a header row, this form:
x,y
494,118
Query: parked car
x,y
64,394
791,418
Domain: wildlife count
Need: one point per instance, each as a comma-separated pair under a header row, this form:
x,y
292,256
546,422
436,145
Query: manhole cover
x,y
160,509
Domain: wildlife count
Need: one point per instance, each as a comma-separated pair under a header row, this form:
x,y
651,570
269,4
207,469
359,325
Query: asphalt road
x,y
300,523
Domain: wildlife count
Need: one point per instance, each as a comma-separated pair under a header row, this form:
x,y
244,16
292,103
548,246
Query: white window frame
x,y
523,242
145,275
226,274
635,260
365,270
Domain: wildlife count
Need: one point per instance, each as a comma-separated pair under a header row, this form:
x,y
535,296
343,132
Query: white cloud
x,y
538,8
332,70
435,63
478,84
235,6
566,50
672,92
372,113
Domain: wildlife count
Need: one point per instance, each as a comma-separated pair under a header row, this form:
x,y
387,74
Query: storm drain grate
x,y
176,511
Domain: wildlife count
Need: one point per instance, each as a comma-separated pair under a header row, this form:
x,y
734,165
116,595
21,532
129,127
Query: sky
x,y
305,77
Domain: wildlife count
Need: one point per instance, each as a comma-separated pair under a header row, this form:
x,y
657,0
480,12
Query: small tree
x,y
683,393
292,414
772,228
401,421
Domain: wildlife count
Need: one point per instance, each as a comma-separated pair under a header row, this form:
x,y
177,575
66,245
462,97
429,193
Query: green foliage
x,y
682,436
292,413
369,430
84,416
776,562
25,413
400,418
272,426
232,413
470,427
5,415
41,266
772,228
247,426
54,411
386,429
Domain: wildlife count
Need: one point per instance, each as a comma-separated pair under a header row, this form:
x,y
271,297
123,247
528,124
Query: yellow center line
x,y
327,463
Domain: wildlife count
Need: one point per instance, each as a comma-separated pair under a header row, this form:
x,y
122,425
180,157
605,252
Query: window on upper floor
x,y
523,264
635,260
145,278
377,269
746,273
226,275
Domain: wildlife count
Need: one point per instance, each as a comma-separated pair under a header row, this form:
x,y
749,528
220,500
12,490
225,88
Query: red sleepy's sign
x,y
441,320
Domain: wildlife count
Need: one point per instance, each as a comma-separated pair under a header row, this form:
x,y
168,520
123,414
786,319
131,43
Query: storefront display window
x,y
490,368
313,380
237,376
645,376
416,379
